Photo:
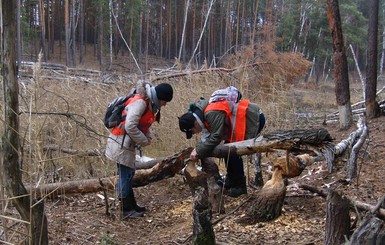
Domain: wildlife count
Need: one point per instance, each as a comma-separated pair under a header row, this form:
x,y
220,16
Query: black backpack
x,y
114,113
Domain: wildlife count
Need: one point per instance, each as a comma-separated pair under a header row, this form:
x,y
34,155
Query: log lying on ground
x,y
165,169
284,140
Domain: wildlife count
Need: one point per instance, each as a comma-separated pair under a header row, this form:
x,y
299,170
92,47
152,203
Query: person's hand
x,y
149,140
194,155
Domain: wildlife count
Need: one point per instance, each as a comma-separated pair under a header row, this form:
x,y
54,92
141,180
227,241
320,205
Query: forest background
x,y
70,53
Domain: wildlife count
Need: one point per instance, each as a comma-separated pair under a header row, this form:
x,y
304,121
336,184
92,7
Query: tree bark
x,y
258,179
341,75
284,140
10,168
370,232
337,219
372,107
266,204
203,232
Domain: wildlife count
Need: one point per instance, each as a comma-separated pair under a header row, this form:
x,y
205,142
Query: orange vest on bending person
x,y
147,119
236,113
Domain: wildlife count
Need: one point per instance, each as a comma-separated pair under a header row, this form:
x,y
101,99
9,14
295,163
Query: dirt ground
x,y
82,219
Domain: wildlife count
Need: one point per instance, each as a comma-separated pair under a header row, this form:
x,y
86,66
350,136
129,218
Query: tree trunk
x,y
288,140
42,30
370,232
18,31
258,179
81,31
337,219
166,168
73,33
67,32
341,75
372,107
11,174
203,232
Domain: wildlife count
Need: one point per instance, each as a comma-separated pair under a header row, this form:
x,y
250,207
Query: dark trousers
x,y
235,172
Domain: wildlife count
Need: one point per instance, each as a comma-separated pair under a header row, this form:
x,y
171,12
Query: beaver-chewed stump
x,y
203,232
266,204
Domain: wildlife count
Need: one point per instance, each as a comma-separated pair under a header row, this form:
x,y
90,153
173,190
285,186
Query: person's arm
x,y
216,120
135,110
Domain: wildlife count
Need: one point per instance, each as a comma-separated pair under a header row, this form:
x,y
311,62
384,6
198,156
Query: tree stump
x,y
215,196
203,232
266,204
371,232
337,219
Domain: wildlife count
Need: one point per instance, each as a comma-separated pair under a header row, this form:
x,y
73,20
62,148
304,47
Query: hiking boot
x,y
128,210
236,191
237,188
132,214
137,208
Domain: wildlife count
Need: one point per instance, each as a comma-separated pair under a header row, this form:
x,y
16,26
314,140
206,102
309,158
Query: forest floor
x,y
82,219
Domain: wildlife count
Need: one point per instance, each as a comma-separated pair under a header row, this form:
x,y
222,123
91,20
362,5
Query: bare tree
x,y
341,76
10,168
372,107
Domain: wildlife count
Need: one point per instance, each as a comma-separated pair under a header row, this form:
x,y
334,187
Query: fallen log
x,y
166,168
291,140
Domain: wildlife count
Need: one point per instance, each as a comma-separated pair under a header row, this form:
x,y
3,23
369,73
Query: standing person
x,y
223,120
140,112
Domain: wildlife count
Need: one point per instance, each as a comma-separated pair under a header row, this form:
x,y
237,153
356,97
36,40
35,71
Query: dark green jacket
x,y
219,125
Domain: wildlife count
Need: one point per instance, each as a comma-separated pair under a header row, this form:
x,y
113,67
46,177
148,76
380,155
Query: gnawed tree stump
x,y
266,204
203,232
370,232
292,165
337,218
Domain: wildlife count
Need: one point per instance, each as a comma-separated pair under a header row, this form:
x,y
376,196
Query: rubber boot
x,y
128,210
238,188
137,207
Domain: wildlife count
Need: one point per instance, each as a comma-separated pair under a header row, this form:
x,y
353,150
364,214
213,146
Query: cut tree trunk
x,y
203,232
370,232
266,204
337,219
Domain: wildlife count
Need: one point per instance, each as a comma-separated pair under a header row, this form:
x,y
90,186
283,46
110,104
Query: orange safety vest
x,y
147,119
236,115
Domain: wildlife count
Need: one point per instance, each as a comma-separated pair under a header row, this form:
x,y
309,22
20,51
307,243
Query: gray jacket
x,y
125,153
219,125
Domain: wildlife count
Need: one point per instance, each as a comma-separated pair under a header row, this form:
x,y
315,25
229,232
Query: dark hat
x,y
186,123
164,92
